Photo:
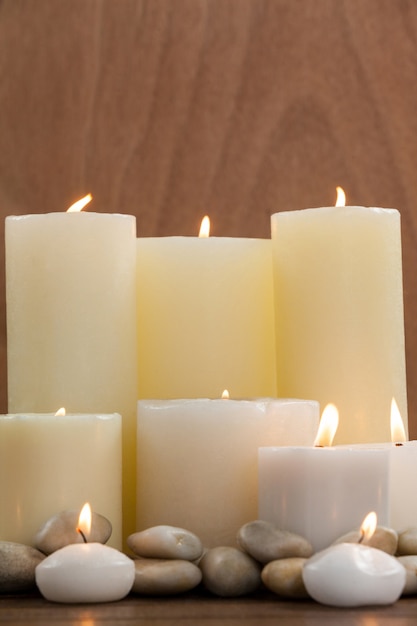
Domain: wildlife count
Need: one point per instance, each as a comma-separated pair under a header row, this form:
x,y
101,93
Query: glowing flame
x,y
368,526
205,227
225,395
341,197
84,521
80,204
327,428
60,412
397,425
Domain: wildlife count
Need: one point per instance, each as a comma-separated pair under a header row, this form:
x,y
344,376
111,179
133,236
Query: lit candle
x,y
348,575
49,463
87,572
197,460
321,492
339,314
205,316
71,320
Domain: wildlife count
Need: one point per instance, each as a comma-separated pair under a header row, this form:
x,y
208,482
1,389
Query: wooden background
x,y
170,109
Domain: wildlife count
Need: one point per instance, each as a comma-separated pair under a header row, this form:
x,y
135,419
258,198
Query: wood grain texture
x,y
170,109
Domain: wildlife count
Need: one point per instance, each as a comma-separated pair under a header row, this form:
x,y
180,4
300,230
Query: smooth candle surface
x,y
71,320
339,314
87,572
348,575
205,317
51,463
322,493
197,460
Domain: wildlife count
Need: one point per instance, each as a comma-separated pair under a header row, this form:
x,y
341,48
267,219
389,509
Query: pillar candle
x,y
205,317
71,320
50,463
197,459
339,314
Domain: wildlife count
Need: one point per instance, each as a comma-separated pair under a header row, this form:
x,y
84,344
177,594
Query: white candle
x,y
197,459
71,320
50,463
339,314
205,316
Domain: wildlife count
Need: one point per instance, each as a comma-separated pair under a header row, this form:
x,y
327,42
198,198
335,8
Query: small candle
x,y
88,572
349,575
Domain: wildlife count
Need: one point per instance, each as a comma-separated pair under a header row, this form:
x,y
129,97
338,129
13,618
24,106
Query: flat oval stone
x,y
17,566
166,542
385,539
229,572
407,542
410,564
266,543
165,577
284,577
61,530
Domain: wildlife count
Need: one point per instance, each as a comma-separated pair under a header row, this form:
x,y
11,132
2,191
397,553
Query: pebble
x,y
410,564
385,539
165,577
166,542
266,543
229,572
284,577
61,530
17,566
407,542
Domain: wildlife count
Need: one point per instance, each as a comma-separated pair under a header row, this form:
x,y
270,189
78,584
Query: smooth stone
x,y
61,530
407,542
166,542
17,566
229,572
266,543
410,564
385,539
284,577
157,577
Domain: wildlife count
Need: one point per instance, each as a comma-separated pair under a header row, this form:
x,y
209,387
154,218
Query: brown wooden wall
x,y
169,109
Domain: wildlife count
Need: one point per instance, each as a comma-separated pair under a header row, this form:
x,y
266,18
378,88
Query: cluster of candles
x,y
97,319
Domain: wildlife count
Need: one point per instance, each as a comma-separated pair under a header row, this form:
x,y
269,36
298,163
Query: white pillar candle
x,y
71,320
339,314
322,493
205,317
197,460
49,463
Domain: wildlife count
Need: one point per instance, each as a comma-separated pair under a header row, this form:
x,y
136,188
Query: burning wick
x,y
82,535
368,526
84,522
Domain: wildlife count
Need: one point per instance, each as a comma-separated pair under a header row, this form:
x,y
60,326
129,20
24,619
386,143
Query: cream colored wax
x,y
71,320
339,314
52,463
205,317
197,459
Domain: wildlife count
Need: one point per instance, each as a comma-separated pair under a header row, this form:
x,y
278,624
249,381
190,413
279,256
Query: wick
x,y
399,444
82,534
362,537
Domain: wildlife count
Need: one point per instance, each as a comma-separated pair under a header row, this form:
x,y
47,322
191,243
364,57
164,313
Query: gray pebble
x,y
410,564
17,566
407,542
266,543
228,572
165,577
166,542
284,577
385,539
61,530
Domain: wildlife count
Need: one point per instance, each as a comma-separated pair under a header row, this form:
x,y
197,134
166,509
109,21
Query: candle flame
x,y
205,227
368,526
328,426
60,412
84,520
397,424
225,395
341,197
80,204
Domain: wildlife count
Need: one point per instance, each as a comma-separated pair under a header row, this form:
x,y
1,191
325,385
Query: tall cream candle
x,y
339,314
205,317
71,320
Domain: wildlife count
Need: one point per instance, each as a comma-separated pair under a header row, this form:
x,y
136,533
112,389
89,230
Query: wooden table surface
x,y
199,608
